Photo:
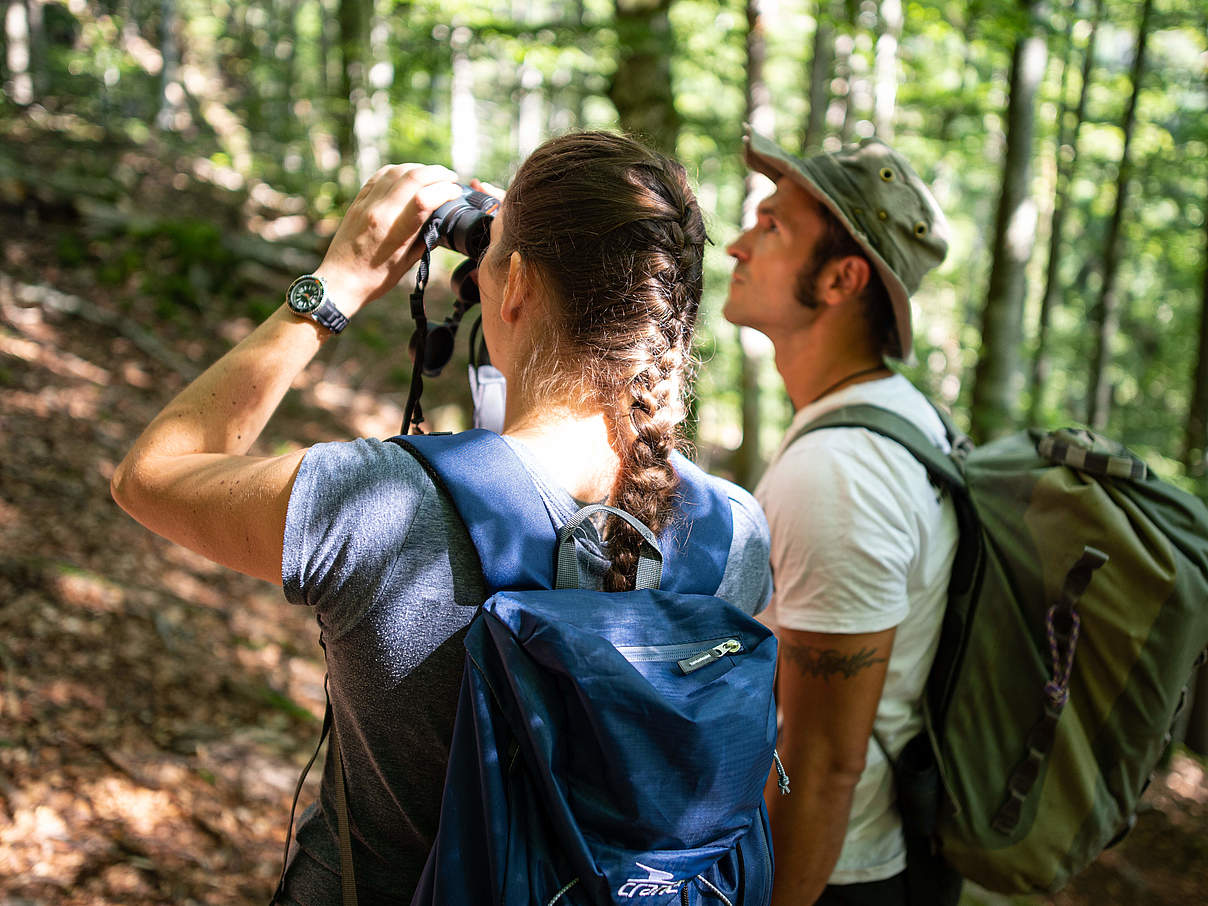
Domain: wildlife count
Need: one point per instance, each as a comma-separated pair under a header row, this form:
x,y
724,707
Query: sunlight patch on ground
x,y
90,592
61,363
1186,779
367,414
190,588
79,402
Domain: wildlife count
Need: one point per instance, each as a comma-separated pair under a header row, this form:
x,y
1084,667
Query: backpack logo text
x,y
658,882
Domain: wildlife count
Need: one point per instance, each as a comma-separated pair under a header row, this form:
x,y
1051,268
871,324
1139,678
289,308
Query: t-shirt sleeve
x,y
841,542
351,509
747,581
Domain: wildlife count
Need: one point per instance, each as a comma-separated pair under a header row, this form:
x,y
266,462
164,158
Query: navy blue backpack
x,y
608,748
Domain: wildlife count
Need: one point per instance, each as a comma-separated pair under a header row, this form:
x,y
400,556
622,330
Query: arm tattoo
x,y
829,662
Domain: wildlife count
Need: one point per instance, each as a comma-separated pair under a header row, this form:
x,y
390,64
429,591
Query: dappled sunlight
x,y
89,592
366,414
60,363
78,402
1186,779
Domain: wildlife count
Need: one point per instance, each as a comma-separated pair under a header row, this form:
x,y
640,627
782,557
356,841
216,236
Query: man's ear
x,y
843,278
516,290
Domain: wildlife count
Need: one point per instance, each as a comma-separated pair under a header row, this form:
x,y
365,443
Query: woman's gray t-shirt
x,y
386,562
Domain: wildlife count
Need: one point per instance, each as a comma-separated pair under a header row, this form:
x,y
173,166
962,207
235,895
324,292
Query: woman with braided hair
x,y
590,289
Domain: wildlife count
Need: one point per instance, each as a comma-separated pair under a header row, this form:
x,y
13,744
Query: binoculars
x,y
462,225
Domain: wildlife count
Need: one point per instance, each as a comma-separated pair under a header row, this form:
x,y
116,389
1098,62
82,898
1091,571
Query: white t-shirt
x,y
863,542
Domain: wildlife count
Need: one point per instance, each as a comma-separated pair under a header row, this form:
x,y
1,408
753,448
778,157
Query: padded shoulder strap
x,y
511,527
897,428
498,502
696,545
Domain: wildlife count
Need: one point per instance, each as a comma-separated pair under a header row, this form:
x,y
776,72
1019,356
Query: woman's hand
x,y
375,243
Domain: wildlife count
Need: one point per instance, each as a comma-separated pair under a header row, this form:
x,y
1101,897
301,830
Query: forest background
x,y
167,166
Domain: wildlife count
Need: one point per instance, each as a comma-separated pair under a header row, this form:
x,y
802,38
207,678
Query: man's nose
x,y
738,248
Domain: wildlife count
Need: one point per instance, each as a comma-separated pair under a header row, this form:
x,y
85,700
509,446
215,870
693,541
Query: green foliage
x,y
259,106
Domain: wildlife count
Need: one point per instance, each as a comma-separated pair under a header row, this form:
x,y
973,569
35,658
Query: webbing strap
x,y
289,829
348,881
1063,642
650,558
1074,450
413,414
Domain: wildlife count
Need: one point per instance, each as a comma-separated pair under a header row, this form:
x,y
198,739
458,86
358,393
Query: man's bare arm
x,y
829,687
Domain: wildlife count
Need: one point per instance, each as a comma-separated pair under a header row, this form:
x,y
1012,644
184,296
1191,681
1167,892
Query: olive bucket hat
x,y
880,200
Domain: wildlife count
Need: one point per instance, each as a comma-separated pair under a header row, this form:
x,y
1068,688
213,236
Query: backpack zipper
x,y
705,652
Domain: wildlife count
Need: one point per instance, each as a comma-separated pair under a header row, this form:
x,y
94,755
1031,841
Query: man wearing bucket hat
x,y
862,544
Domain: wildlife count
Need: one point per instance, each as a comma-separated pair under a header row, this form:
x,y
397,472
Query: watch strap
x,y
327,315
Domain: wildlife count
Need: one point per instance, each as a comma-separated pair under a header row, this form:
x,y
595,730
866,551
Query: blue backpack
x,y
608,748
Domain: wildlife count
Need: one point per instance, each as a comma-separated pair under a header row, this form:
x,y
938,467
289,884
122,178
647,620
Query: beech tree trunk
x,y
464,112
885,78
1195,442
373,110
171,92
821,63
1067,158
18,52
641,86
352,20
1105,319
997,381
748,458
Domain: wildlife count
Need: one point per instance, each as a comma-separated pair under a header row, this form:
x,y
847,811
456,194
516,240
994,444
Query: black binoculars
x,y
462,225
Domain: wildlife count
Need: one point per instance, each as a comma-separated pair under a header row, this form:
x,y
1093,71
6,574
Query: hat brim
x,y
766,157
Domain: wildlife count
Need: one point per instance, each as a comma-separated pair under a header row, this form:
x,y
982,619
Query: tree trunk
x,y
1195,443
530,113
1106,317
171,92
464,114
997,381
352,85
748,458
17,55
373,113
885,80
1067,157
641,86
821,64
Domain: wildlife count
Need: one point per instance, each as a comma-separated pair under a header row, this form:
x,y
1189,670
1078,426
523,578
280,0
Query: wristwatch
x,y
307,297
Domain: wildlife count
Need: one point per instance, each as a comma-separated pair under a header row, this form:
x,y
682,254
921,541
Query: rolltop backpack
x,y
608,747
1077,613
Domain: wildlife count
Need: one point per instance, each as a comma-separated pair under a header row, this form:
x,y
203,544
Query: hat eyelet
x,y
887,174
883,214
920,229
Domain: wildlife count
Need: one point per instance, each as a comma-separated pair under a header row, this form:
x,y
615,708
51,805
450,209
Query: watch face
x,y
305,294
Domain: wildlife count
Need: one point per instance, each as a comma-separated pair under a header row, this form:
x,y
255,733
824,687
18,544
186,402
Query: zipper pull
x,y
783,780
709,655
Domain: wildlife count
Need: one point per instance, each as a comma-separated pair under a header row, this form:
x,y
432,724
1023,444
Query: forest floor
x,y
155,709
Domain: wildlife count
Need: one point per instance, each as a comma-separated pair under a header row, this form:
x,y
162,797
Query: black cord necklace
x,y
851,377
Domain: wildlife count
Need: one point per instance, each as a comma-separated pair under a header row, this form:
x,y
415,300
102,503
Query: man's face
x,y
769,260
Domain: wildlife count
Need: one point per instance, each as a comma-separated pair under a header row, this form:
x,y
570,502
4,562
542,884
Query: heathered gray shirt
x,y
386,562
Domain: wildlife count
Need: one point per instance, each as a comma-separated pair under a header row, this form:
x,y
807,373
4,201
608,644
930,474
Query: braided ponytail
x,y
616,235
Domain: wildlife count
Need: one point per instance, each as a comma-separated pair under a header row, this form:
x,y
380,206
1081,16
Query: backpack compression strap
x,y
504,514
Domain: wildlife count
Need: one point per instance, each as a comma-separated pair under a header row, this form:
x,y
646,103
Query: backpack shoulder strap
x,y
696,545
503,512
486,481
899,429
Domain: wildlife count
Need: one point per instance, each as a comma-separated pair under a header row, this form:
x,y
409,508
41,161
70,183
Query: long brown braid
x,y
615,234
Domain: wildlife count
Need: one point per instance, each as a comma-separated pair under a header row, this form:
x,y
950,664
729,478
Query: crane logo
x,y
655,883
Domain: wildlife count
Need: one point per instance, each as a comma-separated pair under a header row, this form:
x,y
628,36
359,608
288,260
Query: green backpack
x,y
1077,613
